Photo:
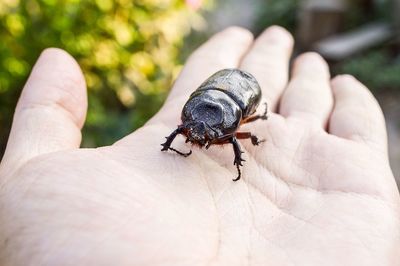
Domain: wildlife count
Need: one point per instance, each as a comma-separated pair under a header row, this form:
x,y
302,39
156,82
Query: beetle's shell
x,y
241,86
215,108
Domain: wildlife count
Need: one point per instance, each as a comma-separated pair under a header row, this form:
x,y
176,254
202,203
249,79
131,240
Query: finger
x,y
268,61
357,115
308,95
223,50
51,109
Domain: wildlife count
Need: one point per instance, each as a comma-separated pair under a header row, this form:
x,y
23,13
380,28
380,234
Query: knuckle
x,y
66,91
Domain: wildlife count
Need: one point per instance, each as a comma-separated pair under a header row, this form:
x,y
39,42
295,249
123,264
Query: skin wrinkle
x,y
55,246
264,165
306,221
37,174
177,158
367,190
311,177
289,184
357,238
214,257
61,101
9,163
260,162
272,243
286,210
143,178
108,234
367,196
57,106
25,194
294,156
113,230
250,202
249,186
369,141
277,180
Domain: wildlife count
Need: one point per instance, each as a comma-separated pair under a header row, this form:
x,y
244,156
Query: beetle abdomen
x,y
241,86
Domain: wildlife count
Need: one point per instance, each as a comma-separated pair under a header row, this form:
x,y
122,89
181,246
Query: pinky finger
x,y
357,115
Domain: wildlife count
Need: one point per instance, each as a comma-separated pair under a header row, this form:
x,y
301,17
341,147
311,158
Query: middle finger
x,y
268,62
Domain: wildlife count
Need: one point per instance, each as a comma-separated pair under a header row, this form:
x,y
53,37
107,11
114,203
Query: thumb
x,y
51,109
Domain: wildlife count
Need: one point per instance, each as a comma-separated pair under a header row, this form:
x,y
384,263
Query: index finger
x,y
224,50
268,62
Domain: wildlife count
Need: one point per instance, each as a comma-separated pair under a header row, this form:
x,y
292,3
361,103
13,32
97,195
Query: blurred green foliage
x,y
273,12
377,69
128,51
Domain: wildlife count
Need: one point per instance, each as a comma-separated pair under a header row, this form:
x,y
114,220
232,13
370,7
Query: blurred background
x,y
132,50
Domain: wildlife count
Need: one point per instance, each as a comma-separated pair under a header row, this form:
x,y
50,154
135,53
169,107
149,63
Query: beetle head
x,y
198,132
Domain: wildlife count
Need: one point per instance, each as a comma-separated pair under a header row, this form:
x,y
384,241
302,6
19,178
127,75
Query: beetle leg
x,y
181,153
247,135
167,144
253,118
238,157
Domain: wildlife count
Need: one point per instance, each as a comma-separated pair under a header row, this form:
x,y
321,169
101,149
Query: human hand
x,y
319,191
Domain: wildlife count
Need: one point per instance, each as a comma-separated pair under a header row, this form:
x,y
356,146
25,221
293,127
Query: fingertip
x,y
341,79
53,55
310,63
311,58
308,95
224,50
357,114
237,32
277,35
348,85
51,109
56,78
233,37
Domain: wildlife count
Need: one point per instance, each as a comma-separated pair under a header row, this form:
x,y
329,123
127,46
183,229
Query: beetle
x,y
215,111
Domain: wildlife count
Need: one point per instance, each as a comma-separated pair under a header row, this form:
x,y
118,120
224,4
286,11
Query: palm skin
x,y
307,197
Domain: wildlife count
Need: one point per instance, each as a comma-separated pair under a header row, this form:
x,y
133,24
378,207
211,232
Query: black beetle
x,y
214,112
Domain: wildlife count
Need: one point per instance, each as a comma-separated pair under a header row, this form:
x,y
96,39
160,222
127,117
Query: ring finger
x,y
308,95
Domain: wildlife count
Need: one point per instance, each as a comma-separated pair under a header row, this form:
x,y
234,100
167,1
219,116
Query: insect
x,y
215,111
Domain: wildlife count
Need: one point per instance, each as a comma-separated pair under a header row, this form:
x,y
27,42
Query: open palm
x,y
319,191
